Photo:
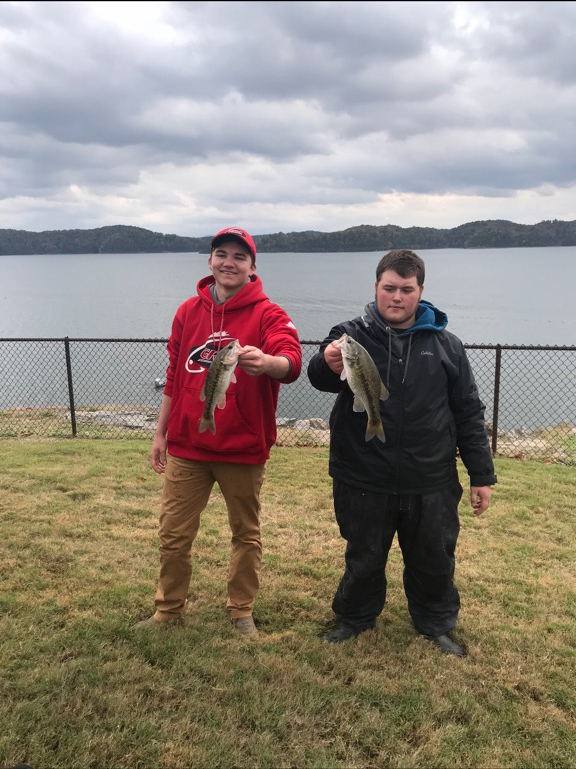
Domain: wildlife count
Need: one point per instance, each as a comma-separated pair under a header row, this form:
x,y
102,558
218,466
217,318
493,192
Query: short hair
x,y
405,263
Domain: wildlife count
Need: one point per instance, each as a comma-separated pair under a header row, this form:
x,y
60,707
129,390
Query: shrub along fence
x,y
112,388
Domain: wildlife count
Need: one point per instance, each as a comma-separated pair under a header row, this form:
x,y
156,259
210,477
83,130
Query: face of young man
x,y
231,265
397,299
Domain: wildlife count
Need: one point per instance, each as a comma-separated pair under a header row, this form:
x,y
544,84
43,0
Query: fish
x,y
364,380
218,378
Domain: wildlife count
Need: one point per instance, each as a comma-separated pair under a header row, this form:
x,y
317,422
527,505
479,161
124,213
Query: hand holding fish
x,y
255,362
333,357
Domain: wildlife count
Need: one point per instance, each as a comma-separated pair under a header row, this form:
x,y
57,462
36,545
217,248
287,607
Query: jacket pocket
x,y
233,433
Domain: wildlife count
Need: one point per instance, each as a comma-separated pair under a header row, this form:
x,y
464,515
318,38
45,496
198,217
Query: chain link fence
x,y
112,388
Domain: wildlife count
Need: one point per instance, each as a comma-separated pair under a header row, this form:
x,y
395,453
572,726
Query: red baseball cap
x,y
235,233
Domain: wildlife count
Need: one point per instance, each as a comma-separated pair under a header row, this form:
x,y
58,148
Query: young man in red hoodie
x,y
230,304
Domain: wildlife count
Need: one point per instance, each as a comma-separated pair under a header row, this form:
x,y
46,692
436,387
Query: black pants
x,y
427,526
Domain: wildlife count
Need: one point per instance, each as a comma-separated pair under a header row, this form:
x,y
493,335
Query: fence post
x,y
70,387
497,368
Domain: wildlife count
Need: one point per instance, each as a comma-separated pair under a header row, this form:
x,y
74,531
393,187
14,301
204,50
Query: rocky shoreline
x,y
517,444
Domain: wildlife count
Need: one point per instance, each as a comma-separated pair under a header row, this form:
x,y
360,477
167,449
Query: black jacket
x,y
433,409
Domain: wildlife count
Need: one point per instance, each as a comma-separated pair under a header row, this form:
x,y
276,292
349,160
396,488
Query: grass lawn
x,y
82,690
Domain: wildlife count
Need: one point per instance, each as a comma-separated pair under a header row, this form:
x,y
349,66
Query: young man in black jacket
x,y
409,483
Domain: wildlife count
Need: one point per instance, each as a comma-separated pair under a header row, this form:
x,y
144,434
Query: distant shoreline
x,y
124,239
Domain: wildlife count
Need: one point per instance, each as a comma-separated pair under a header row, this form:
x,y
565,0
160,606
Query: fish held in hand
x,y
364,380
218,378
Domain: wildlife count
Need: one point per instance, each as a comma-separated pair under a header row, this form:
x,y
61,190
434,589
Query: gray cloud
x,y
185,117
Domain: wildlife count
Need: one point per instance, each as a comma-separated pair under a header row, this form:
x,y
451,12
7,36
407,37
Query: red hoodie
x,y
246,427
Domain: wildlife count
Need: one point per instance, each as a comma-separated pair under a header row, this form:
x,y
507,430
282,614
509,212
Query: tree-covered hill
x,y
116,239
122,239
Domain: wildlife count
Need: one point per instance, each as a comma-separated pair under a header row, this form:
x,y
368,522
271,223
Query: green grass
x,y
82,690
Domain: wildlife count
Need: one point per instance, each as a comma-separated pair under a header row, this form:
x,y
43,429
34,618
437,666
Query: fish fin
x,y
207,424
233,377
203,394
384,394
343,374
222,402
358,405
375,431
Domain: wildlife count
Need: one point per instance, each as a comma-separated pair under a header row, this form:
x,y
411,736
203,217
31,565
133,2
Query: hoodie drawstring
x,y
212,325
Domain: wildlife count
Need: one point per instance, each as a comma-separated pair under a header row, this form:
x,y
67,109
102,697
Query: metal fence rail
x,y
112,388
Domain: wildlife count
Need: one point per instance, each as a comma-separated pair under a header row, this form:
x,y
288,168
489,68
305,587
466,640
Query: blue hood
x,y
428,318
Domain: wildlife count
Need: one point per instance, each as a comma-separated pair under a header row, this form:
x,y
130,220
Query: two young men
x,y
230,304
407,485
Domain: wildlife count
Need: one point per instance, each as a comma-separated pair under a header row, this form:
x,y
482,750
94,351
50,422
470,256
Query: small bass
x,y
364,380
218,378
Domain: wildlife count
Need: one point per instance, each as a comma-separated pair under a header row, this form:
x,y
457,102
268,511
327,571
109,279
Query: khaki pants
x,y
187,488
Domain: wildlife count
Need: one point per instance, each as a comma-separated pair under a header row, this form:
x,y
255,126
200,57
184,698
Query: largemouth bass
x,y
218,378
364,380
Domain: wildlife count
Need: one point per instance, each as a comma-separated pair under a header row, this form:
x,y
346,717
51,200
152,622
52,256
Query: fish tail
x,y
375,430
207,423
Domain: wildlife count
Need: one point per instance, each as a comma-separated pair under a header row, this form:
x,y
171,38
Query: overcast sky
x,y
186,117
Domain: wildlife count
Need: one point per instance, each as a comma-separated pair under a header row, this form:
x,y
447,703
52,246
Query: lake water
x,y
491,296
497,296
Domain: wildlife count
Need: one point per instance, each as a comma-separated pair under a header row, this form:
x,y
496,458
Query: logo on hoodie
x,y
200,358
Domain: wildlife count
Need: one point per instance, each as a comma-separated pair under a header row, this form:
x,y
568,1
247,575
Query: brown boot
x,y
245,626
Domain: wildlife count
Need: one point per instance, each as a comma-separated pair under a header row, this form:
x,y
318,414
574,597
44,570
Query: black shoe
x,y
446,645
343,633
